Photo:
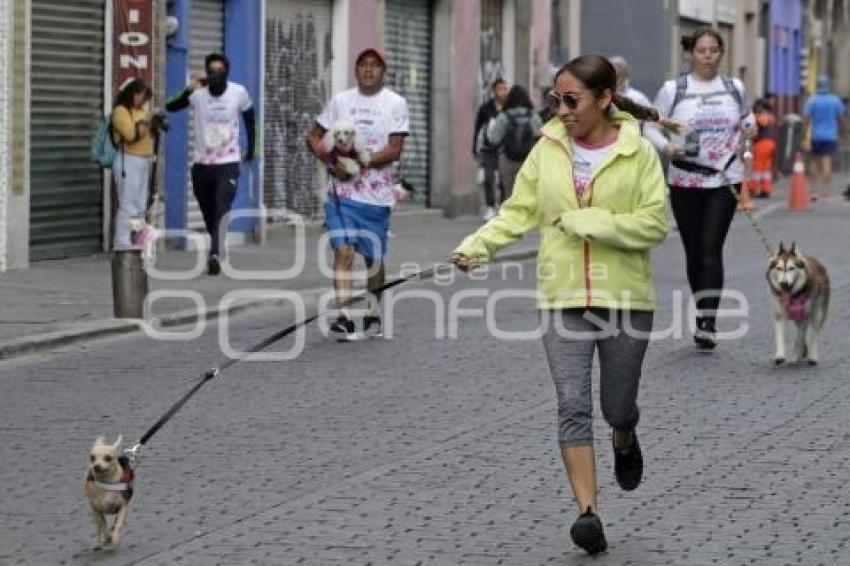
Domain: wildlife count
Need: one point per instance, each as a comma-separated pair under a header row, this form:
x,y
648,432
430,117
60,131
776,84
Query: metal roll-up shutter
x,y
206,36
407,35
297,86
66,187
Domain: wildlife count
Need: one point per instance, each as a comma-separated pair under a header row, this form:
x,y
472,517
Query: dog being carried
x,y
346,147
108,488
799,285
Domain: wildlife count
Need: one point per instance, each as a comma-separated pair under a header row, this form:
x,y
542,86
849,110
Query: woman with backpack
x,y
131,133
514,132
704,165
595,191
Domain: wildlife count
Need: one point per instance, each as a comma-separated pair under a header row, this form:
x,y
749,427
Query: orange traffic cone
x,y
799,198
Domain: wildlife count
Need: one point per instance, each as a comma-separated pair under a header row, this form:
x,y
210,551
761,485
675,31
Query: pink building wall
x,y
541,23
466,23
363,31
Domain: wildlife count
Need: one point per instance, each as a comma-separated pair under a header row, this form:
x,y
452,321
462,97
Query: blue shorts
x,y
824,147
363,226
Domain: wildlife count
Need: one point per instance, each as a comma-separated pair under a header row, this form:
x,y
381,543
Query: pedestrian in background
x,y
703,164
358,207
132,134
514,132
764,150
595,190
548,109
217,104
822,122
624,87
487,154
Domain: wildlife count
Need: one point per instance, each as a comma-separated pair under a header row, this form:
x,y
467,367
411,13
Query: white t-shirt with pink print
x,y
376,118
586,158
217,121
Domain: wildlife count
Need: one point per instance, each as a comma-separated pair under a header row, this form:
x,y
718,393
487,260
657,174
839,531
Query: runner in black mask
x,y
217,104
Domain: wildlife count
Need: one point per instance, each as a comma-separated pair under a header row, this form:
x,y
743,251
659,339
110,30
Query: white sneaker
x,y
489,214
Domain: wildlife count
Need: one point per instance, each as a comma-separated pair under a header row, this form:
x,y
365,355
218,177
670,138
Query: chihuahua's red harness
x,y
125,485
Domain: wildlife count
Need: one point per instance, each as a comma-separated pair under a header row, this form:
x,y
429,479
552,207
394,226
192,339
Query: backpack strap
x,y
681,90
728,86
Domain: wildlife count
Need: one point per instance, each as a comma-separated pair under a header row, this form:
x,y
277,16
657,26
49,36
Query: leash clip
x,y
133,453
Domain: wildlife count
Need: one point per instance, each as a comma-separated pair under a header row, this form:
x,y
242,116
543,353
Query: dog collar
x,y
120,486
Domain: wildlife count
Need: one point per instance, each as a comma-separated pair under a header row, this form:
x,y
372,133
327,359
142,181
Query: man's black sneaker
x,y
588,534
213,266
628,464
345,328
372,326
704,336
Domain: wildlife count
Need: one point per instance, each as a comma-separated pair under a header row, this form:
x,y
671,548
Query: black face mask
x,y
217,83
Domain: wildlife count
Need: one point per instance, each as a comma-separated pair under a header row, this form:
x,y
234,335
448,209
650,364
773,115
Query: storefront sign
x,y
699,10
132,41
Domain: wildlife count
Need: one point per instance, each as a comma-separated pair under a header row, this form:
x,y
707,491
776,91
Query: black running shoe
x,y
588,534
372,327
628,464
344,327
213,265
704,336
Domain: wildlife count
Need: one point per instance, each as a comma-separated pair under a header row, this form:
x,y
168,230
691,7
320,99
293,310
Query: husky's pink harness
x,y
795,306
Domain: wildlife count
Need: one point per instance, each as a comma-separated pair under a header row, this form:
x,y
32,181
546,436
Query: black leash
x,y
212,373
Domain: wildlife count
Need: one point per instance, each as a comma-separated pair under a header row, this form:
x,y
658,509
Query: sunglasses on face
x,y
570,100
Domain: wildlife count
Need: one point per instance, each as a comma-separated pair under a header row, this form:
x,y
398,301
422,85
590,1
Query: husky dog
x,y
346,147
108,487
799,285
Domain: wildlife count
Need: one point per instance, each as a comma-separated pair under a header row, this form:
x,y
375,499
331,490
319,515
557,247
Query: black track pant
x,y
214,187
703,217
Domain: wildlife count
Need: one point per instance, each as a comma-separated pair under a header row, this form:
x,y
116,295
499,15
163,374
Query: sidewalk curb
x,y
104,328
317,223
36,343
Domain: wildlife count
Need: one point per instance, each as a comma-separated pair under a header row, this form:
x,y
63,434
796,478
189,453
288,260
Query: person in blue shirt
x,y
823,114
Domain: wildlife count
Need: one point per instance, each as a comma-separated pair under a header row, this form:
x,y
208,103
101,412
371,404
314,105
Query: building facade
x,y
787,46
642,32
5,114
14,138
60,59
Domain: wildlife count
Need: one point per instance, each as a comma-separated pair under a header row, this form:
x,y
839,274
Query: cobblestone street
x,y
419,450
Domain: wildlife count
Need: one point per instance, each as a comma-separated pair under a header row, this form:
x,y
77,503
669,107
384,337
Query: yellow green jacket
x,y
598,256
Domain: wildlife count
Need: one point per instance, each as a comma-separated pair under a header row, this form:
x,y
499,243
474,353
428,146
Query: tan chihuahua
x,y
108,487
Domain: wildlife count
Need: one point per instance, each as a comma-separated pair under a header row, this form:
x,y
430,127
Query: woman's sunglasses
x,y
570,100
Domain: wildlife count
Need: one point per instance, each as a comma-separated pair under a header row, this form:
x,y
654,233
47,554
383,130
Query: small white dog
x,y
799,286
143,237
108,488
346,147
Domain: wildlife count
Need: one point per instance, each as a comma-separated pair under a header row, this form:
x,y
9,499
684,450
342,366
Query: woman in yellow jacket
x,y
131,131
595,190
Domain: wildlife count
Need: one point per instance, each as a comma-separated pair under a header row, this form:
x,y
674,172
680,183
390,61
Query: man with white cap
x,y
357,209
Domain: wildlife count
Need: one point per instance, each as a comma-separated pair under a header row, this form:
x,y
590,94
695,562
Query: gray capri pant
x,y
571,337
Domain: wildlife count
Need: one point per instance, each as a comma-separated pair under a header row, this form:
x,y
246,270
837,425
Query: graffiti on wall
x,y
297,86
490,66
